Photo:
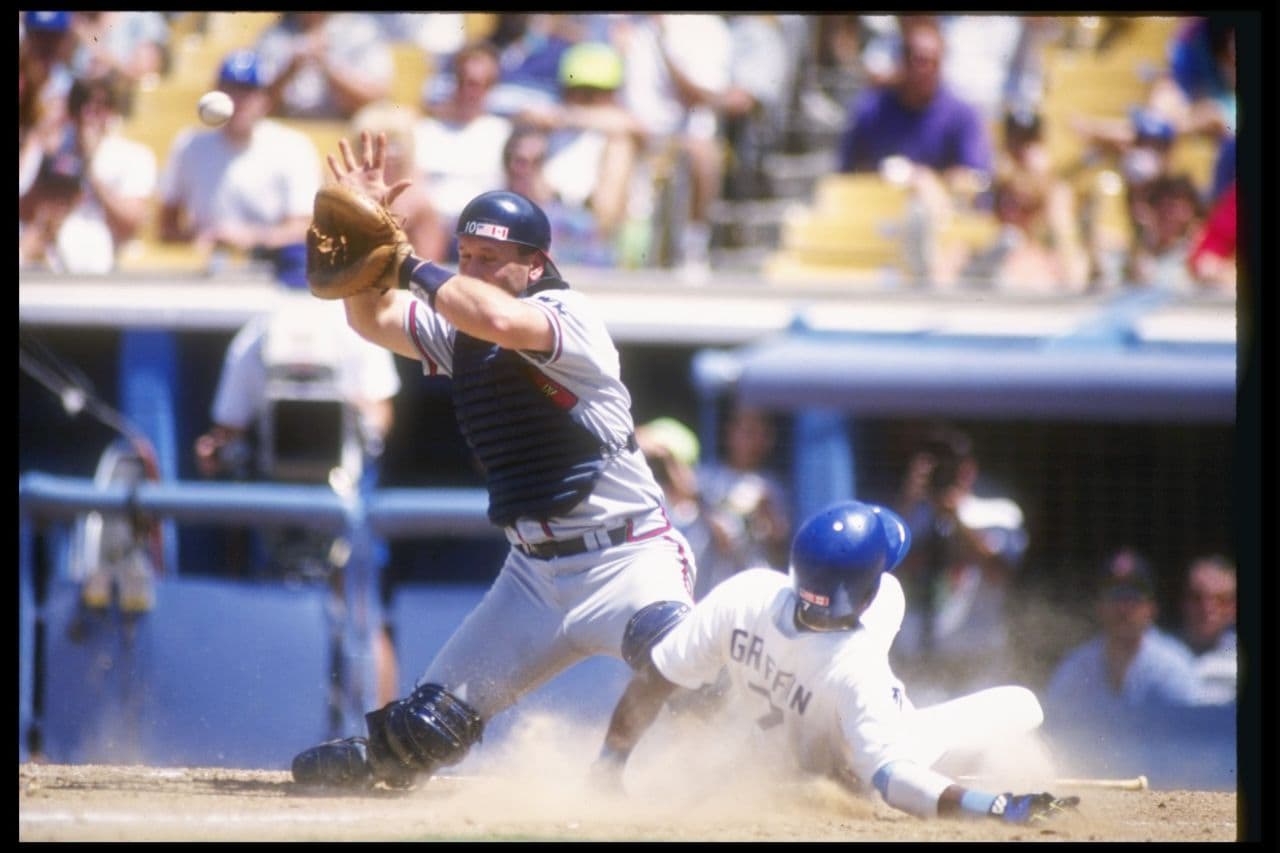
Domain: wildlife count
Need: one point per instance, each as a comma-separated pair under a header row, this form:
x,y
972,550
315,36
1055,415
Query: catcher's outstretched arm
x,y
378,317
488,312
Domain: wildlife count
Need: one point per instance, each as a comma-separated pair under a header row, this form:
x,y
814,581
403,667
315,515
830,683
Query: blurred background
x,y
822,242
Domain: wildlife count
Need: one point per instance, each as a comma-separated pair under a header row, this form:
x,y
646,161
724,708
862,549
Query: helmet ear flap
x,y
897,534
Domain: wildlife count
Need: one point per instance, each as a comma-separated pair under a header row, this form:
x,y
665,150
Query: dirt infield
x,y
110,803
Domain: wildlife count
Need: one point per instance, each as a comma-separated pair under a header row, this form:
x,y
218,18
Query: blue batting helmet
x,y
837,557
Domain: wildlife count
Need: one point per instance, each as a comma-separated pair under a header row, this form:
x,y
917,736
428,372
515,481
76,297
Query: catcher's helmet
x,y
507,216
837,557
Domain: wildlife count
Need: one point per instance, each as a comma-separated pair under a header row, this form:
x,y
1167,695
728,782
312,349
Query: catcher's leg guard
x,y
335,763
410,737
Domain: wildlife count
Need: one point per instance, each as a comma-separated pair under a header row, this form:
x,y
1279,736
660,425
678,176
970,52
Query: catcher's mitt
x,y
353,244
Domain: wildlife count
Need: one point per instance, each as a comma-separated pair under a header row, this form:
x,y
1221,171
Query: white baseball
x,y
215,108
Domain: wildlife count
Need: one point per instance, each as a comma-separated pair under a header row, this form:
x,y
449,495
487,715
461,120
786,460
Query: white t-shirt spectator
x,y
460,161
272,178
700,45
352,41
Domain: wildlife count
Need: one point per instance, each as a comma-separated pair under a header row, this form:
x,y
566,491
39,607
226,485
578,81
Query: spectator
x,y
1144,145
918,117
247,187
1209,625
1130,664
324,65
1027,255
50,234
1198,91
968,548
916,131
459,142
575,229
677,67
308,395
1212,261
120,181
530,60
414,207
594,142
1143,142
763,72
51,44
992,62
672,451
45,47
134,45
438,34
1168,215
746,506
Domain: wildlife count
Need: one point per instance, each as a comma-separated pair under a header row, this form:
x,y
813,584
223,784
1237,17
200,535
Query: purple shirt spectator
x,y
946,133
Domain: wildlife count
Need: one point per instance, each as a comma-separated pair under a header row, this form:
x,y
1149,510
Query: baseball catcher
x,y
538,394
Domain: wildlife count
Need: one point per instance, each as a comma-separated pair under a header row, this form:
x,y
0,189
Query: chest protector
x,y
538,461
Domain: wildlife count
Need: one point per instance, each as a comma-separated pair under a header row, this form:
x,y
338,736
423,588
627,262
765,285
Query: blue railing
x,y
390,513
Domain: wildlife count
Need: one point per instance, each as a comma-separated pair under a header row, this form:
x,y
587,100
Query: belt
x,y
569,547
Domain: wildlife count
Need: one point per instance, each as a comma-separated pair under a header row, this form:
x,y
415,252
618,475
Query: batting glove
x,y
1030,808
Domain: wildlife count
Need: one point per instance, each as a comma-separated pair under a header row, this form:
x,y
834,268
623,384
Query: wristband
x,y
429,277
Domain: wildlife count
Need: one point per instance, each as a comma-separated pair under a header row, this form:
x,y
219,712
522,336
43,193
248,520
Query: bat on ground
x,y
1137,783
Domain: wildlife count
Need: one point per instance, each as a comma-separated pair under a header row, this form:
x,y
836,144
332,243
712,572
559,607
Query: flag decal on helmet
x,y
488,229
814,598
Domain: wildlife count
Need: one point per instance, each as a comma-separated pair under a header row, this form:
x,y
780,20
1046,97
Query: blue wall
x,y
230,674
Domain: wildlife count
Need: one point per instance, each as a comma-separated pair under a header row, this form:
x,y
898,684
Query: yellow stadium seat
x,y
413,68
848,195
1196,156
479,25
151,255
853,228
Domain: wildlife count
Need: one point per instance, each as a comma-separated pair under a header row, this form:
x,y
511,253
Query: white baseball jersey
x,y
541,616
829,700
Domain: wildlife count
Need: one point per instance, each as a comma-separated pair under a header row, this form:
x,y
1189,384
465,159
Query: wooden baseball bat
x,y
1137,783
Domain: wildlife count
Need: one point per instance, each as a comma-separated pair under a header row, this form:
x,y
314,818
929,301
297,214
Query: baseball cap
x,y
1126,574
241,68
678,439
48,22
591,64
1150,127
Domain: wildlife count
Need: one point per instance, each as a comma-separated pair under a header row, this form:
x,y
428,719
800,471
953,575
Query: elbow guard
x,y
649,625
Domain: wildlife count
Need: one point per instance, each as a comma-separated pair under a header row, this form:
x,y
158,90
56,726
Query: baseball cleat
x,y
335,764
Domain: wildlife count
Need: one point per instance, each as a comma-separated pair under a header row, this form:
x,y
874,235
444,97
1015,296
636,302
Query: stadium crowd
x,y
650,128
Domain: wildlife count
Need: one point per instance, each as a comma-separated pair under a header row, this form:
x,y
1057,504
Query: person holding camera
x,y
955,637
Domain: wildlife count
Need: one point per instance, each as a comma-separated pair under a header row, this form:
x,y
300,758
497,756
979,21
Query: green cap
x,y
591,64
678,439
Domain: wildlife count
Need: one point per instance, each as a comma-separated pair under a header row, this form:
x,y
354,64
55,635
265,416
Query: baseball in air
x,y
215,108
